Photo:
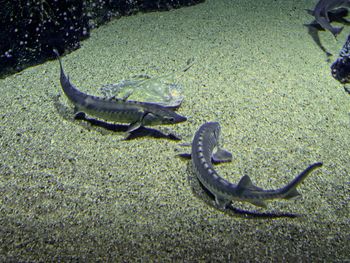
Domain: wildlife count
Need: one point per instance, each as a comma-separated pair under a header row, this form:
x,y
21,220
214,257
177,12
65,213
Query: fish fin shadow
x,y
137,133
313,29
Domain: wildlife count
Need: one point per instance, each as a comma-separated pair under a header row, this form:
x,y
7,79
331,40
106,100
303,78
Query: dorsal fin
x,y
246,184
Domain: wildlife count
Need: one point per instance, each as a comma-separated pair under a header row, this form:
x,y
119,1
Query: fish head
x,y
163,116
213,128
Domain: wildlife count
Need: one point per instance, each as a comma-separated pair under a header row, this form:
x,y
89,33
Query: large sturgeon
x,y
204,142
119,110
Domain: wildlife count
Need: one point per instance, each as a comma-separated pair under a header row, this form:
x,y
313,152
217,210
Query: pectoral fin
x,y
134,126
324,22
221,156
221,202
137,124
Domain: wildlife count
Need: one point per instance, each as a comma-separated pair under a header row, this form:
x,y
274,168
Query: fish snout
x,y
180,118
175,118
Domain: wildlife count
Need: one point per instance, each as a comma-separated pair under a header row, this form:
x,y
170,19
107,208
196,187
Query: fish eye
x,y
171,119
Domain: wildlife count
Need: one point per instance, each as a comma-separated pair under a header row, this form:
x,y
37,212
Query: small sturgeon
x,y
204,142
120,110
321,10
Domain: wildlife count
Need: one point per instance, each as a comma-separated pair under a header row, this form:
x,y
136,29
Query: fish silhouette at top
x,y
322,10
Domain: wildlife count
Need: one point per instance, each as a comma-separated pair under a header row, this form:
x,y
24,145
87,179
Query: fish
x,y
321,13
202,154
137,114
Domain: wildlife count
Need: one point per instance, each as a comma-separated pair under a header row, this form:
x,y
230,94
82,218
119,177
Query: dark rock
x,y
340,69
32,28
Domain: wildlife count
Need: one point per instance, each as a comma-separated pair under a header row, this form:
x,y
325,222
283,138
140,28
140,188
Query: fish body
x,y
119,110
204,142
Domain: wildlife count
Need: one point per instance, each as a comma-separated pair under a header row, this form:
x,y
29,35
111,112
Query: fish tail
x,y
290,191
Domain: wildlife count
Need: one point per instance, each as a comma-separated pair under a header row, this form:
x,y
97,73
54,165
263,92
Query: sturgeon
x,y
321,10
119,110
204,142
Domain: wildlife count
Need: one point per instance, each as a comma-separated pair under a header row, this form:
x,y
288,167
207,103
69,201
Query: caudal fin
x,y
59,60
290,190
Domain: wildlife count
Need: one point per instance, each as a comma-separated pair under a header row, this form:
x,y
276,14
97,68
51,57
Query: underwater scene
x,y
216,132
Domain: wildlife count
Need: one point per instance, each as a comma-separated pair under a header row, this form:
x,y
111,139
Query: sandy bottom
x,y
70,191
